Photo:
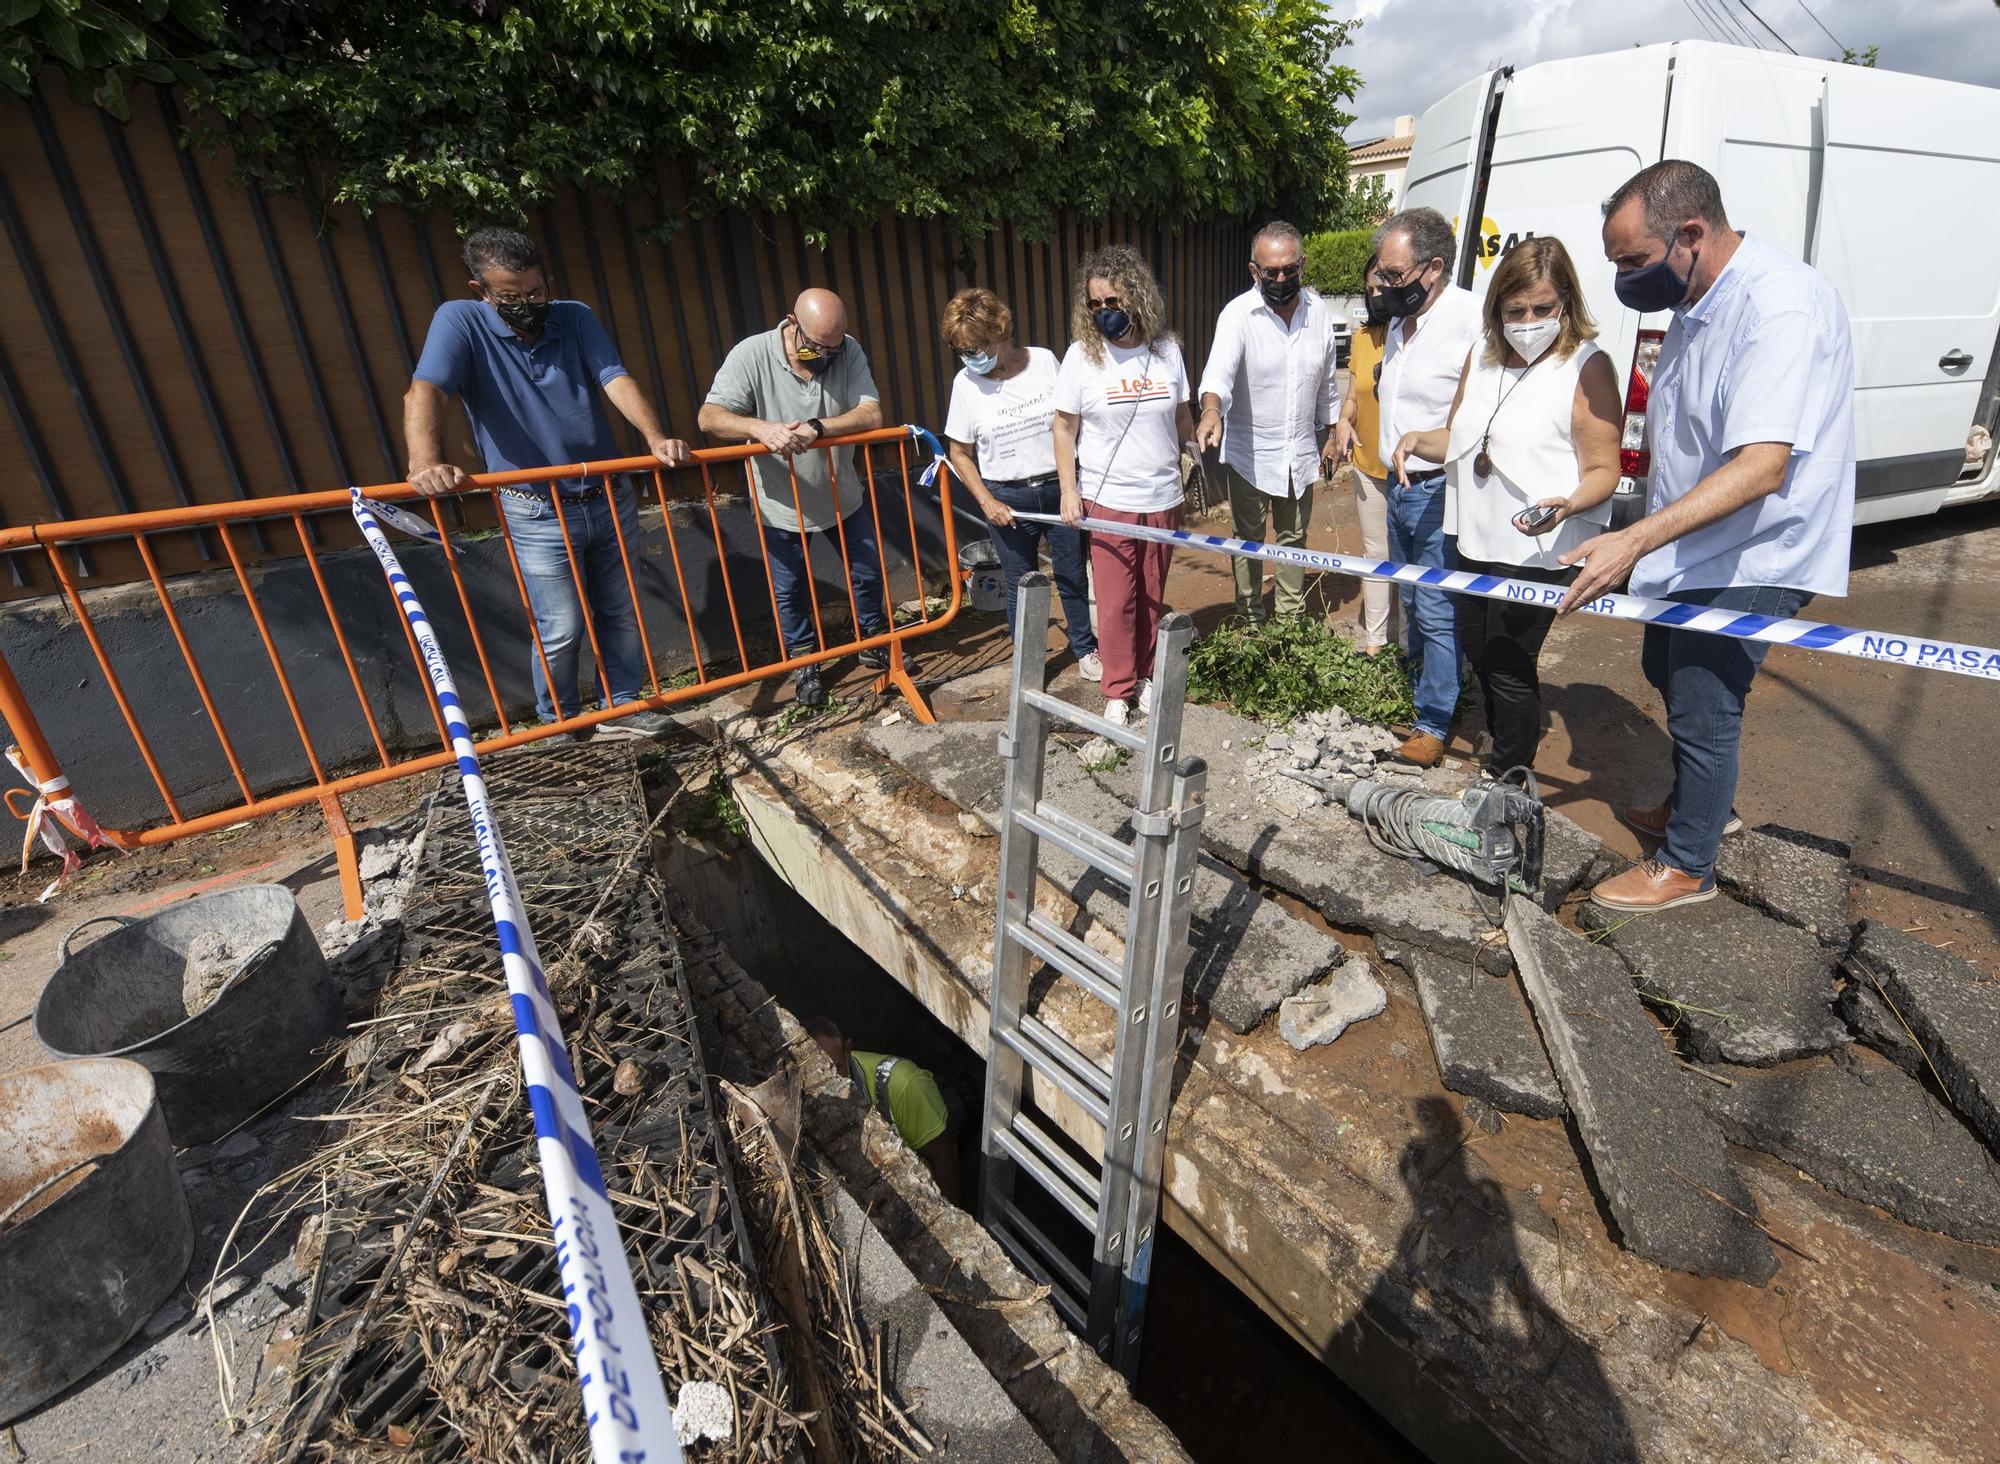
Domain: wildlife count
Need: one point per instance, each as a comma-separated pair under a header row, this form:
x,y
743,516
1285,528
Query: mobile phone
x,y
1531,519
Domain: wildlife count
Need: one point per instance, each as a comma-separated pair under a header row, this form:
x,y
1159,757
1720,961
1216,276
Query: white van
x,y
1888,183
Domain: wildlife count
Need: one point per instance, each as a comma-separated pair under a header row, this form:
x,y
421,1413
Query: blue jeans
x,y
1019,548
559,621
1704,679
793,586
1416,536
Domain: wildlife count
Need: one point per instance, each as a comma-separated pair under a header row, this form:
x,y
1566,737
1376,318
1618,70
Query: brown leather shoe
x,y
1652,822
1420,749
1651,885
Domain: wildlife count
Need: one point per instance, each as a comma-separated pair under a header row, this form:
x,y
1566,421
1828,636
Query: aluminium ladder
x,y
1116,1195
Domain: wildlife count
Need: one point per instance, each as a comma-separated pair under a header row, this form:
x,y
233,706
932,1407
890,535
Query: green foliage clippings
x,y
828,110
1334,261
1281,670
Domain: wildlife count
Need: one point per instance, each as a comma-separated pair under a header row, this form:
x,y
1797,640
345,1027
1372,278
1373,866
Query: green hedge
x,y
1334,261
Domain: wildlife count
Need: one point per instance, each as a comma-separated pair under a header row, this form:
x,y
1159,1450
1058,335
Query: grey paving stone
x,y
1246,953
1484,1037
1319,1014
1801,879
1740,986
1862,1127
1953,1007
1662,1167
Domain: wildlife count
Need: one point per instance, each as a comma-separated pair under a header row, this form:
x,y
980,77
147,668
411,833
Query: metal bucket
x,y
121,997
94,1227
986,588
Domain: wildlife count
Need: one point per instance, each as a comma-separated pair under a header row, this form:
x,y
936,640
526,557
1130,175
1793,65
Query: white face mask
x,y
1532,337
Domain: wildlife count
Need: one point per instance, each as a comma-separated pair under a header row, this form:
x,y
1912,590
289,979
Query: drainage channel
x,y
1218,1372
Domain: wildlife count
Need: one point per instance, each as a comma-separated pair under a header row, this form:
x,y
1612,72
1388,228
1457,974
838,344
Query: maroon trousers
x,y
1130,576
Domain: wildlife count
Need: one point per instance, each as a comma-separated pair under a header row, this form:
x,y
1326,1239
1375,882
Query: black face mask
x,y
525,316
1408,299
1279,292
1377,307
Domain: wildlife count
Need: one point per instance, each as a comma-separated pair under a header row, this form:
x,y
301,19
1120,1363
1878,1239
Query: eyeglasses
x,y
1276,273
966,353
809,349
533,297
1397,278
1109,302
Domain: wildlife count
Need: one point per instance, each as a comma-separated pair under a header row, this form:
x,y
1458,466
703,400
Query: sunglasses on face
x,y
1109,302
1278,273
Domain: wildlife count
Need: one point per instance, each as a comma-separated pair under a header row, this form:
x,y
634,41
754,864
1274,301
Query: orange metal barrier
x,y
324,786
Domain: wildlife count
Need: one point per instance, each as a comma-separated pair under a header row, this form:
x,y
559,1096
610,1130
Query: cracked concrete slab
x,y
1875,1027
1319,1014
1484,1036
1662,1167
1953,1007
1247,955
1860,1126
1740,986
1800,878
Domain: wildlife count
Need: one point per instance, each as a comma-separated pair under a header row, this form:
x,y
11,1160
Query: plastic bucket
x,y
985,587
122,997
94,1227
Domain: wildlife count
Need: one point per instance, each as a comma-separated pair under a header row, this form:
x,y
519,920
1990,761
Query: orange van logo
x,y
1489,243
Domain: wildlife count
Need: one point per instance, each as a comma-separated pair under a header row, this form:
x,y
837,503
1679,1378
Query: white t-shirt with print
x,y
1011,422
1128,448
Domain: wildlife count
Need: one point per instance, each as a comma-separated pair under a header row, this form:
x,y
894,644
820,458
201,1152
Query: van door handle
x,y
1955,360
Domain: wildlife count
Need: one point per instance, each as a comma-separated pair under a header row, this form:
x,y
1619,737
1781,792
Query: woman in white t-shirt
x,y
1121,417
999,434
1531,461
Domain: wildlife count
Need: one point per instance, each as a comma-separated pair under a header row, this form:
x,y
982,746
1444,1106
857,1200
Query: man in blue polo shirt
x,y
1750,503
530,371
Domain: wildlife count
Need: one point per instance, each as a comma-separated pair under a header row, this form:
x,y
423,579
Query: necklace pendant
x,y
1482,464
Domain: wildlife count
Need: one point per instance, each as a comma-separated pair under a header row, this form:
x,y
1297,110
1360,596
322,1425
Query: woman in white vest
x,y
1531,461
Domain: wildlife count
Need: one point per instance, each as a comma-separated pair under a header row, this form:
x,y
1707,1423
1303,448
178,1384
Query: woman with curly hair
x,y
1121,417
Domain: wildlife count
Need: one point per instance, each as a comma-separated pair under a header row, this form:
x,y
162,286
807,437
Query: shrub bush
x,y
1334,261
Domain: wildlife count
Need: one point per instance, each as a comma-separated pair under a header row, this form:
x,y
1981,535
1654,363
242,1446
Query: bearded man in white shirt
x,y
1268,394
1434,328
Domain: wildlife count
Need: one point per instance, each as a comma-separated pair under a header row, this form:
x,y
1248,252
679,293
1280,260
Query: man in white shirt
x,y
1434,327
1750,503
1268,394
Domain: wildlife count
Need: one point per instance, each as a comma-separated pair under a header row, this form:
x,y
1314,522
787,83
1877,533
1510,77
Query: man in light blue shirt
x,y
1750,503
534,374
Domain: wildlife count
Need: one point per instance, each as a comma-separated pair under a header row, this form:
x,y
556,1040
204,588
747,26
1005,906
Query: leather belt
x,y
532,496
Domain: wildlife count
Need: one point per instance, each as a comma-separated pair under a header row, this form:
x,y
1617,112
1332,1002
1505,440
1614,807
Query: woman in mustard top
x,y
1356,435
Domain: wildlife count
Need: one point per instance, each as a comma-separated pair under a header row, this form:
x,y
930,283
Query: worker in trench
x,y
904,1094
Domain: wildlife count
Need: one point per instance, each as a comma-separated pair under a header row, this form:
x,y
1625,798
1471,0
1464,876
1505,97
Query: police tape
x,y
624,1399
1808,635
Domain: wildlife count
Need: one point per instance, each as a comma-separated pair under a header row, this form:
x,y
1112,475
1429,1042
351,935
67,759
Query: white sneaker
x,y
1117,711
1145,696
1089,667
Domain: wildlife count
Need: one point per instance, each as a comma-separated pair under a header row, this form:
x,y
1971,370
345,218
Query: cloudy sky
x,y
1411,52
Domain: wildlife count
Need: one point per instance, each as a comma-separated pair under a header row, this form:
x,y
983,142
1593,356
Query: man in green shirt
x,y
904,1094
787,388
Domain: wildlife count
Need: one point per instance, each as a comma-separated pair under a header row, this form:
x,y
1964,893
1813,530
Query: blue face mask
x,y
1112,324
1654,286
980,363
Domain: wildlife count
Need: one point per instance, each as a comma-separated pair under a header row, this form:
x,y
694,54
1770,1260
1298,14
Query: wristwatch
x,y
818,427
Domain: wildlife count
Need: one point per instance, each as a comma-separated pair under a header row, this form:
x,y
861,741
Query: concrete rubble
x,y
1484,1037
1861,1127
1796,877
1737,985
1319,1014
1952,1007
1247,955
1663,1170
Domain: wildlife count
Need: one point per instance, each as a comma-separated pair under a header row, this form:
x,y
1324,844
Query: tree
x,y
1364,203
829,110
